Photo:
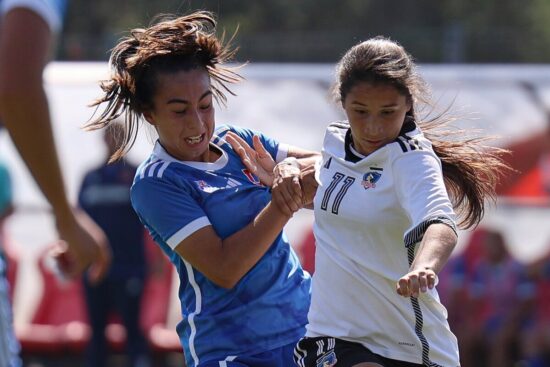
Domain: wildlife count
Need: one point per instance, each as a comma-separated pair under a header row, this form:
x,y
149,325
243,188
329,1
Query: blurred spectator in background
x,y
453,289
535,339
498,303
105,196
9,347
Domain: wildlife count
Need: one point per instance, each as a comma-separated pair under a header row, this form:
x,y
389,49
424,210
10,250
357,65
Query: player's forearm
x,y
304,158
242,250
31,132
25,41
436,248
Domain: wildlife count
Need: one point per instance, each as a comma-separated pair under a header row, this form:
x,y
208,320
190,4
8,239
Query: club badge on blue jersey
x,y
204,186
327,360
251,177
371,178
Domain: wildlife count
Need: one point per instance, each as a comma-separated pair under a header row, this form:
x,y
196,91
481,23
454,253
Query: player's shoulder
x,y
334,139
156,182
410,140
335,132
221,131
338,128
153,170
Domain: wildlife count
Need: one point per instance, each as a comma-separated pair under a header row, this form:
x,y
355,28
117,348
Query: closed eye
x,y
206,107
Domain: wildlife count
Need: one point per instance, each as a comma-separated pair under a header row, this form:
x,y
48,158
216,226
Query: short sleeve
x,y
168,210
421,192
277,150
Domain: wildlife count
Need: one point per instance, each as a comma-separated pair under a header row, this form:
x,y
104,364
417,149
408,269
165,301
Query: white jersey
x,y
370,214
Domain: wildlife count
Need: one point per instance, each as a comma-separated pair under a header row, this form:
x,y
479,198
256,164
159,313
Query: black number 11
x,y
336,179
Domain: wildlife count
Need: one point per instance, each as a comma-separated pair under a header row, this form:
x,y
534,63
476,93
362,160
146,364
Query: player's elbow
x,y
224,273
225,279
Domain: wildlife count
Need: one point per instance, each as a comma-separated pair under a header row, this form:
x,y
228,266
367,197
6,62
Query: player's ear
x,y
148,115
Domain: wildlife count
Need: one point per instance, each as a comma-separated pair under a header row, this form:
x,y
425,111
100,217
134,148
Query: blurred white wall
x,y
291,103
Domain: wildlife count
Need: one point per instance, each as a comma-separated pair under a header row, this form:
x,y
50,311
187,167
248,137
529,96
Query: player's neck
x,y
214,153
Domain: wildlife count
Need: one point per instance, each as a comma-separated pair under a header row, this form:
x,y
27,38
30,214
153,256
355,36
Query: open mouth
x,y
194,140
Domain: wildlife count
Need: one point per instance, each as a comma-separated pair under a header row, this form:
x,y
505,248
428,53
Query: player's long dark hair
x,y
169,46
471,169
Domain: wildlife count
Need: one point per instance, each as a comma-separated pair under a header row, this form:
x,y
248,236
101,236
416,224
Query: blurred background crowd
x,y
487,59
468,31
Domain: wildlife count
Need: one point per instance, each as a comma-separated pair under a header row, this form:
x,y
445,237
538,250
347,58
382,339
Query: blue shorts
x,y
280,357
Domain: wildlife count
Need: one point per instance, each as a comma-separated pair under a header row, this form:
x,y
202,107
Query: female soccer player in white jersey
x,y
384,223
244,296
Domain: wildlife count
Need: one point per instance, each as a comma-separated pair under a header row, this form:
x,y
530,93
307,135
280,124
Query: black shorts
x,y
331,352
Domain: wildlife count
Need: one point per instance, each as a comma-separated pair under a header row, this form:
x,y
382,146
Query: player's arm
x,y
294,183
435,249
292,179
305,158
258,160
421,192
25,40
225,262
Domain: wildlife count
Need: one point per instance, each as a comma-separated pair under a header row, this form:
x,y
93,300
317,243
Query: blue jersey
x,y
267,309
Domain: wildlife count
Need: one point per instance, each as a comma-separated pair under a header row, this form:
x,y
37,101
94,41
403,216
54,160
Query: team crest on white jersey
x,y
370,178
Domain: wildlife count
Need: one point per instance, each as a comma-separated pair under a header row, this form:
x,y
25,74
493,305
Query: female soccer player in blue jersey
x,y
244,296
384,222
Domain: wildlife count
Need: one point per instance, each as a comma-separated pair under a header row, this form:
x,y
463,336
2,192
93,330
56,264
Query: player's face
x,y
376,113
183,114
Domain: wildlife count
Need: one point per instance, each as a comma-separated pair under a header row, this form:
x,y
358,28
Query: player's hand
x,y
257,159
415,282
309,185
284,179
83,246
286,191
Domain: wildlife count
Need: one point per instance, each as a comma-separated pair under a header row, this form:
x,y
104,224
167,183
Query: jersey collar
x,y
221,162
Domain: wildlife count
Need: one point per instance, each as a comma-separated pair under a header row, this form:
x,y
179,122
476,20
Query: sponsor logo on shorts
x,y
407,344
327,360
